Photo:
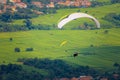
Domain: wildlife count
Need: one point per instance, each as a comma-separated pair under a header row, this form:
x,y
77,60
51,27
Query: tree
x,y
78,10
11,39
116,65
114,18
85,25
44,1
7,16
17,49
1,6
115,1
28,23
27,1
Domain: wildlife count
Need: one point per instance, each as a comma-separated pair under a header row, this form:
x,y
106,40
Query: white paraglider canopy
x,y
74,16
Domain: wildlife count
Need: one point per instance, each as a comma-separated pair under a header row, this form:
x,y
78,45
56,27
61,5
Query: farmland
x,y
46,44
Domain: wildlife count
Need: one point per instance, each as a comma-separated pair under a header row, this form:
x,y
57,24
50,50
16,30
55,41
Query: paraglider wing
x,y
63,43
75,16
63,22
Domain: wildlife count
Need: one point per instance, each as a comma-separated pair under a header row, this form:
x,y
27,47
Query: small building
x,y
64,79
3,1
66,3
51,5
85,78
74,78
37,4
21,5
104,79
77,3
37,12
15,1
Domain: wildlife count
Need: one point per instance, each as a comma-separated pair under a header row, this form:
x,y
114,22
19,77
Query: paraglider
x,y
74,16
63,43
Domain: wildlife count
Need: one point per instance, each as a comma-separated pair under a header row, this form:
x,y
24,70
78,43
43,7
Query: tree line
x,y
55,69
114,18
16,72
58,68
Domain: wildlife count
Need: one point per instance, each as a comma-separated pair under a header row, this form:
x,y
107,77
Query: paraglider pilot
x,y
75,54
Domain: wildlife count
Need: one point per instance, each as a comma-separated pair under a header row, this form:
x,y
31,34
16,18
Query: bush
x,y
17,49
115,1
91,45
114,18
106,32
11,39
29,49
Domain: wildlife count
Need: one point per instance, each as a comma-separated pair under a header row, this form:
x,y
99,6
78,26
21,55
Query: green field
x,y
46,44
102,0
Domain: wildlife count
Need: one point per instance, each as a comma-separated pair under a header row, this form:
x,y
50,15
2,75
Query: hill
x,y
97,48
98,12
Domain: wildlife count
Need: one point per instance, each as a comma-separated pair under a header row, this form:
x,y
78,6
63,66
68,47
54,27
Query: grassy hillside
x,y
46,44
102,0
97,12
